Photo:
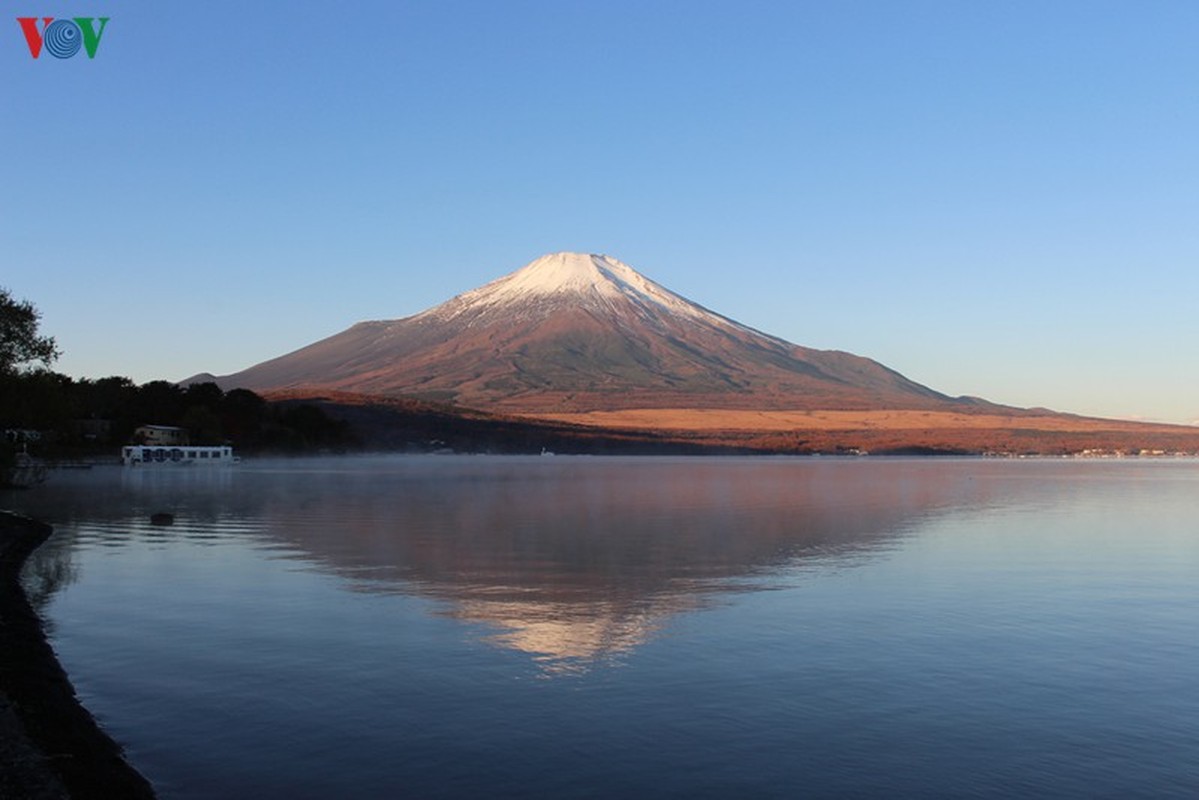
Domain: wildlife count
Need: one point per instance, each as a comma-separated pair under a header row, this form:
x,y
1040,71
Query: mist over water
x,y
593,627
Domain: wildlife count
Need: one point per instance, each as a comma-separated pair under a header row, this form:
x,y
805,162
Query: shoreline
x,y
50,745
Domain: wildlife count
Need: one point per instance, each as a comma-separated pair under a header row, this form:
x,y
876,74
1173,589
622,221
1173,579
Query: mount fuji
x,y
576,333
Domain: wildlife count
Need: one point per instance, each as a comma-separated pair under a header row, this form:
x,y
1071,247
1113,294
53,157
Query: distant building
x,y
166,435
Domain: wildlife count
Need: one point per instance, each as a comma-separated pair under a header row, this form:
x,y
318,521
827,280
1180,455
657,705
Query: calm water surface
x,y
583,627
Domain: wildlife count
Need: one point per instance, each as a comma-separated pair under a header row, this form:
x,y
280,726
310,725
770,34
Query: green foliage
x,y
20,344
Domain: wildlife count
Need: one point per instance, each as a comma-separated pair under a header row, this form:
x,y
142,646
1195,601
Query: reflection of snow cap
x,y
565,638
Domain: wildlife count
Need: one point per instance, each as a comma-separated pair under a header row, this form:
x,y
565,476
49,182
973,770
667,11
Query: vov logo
x,y
62,38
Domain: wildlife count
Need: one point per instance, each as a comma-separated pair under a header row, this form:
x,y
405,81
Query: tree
x,y
159,403
208,395
242,413
203,425
19,342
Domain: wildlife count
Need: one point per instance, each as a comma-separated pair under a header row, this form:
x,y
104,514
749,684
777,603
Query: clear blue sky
x,y
997,199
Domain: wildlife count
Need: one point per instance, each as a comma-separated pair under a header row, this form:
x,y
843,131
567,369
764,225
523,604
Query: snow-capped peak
x,y
564,272
574,277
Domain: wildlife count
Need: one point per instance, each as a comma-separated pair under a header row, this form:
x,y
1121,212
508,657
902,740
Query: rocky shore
x,y
50,746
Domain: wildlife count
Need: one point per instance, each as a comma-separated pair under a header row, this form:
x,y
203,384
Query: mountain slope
x,y
572,332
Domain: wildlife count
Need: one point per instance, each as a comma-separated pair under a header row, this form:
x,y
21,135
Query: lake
x,y
459,627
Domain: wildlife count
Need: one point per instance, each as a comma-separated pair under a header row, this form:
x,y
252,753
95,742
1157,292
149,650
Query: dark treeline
x,y
89,416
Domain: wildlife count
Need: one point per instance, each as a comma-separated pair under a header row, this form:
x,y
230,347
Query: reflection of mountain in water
x,y
565,637
575,561
570,560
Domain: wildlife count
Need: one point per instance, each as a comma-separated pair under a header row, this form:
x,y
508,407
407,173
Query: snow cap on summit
x,y
568,272
575,278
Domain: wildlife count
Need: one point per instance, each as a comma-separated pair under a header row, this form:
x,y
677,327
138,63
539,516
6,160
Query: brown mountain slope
x,y
579,333
403,424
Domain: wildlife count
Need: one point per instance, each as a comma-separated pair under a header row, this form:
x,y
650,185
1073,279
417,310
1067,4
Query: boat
x,y
137,455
